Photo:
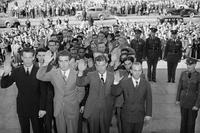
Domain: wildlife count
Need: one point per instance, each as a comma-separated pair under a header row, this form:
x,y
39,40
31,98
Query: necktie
x,y
27,71
64,75
137,84
189,75
102,79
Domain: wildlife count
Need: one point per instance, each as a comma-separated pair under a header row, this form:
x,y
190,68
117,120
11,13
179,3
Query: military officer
x,y
188,96
153,53
173,54
138,44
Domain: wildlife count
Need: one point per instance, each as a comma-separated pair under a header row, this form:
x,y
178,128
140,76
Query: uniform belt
x,y
174,52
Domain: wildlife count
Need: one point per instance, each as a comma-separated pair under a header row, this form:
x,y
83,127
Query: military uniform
x,y
189,96
173,54
153,53
138,45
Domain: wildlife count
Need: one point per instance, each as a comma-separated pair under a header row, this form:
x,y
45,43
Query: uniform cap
x,y
153,29
137,31
174,31
190,61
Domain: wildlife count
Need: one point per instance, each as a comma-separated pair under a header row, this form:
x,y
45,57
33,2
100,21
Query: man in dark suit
x,y
153,54
137,107
31,94
188,96
99,104
173,54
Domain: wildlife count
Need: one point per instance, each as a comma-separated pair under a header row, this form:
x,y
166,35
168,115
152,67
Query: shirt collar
x,y
65,72
134,80
29,68
103,74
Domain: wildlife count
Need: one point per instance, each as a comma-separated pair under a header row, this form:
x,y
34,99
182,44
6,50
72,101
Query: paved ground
x,y
166,115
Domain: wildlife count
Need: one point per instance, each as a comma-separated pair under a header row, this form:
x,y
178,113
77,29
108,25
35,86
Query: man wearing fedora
x,y
153,53
173,54
138,44
188,96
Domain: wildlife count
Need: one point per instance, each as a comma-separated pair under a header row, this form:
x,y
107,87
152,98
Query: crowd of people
x,y
99,60
53,8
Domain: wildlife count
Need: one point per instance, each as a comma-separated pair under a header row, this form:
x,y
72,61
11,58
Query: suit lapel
x,y
34,69
70,80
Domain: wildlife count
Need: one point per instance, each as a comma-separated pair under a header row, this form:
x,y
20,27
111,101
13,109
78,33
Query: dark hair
x,y
63,53
41,50
101,32
112,35
101,58
74,39
129,58
27,50
79,36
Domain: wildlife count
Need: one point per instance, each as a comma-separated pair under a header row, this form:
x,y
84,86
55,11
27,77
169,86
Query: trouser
x,y
119,122
46,124
82,124
99,123
67,122
188,120
152,65
129,127
25,124
171,68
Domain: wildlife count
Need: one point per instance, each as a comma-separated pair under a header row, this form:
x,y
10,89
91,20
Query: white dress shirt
x,y
65,73
28,68
104,76
134,81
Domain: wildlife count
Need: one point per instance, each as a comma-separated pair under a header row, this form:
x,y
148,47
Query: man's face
x,y
28,58
63,62
173,36
153,34
74,43
101,66
101,36
53,46
80,41
81,52
137,35
40,56
94,37
191,67
73,52
136,71
128,64
101,47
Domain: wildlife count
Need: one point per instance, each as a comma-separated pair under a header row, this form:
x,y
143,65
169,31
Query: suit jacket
x,y
188,92
31,92
99,97
65,91
137,101
49,92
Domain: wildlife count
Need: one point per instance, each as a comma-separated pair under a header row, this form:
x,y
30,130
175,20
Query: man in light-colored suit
x,y
67,98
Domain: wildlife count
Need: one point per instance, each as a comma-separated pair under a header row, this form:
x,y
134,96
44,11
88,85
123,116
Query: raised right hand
x,y
117,77
48,57
7,68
